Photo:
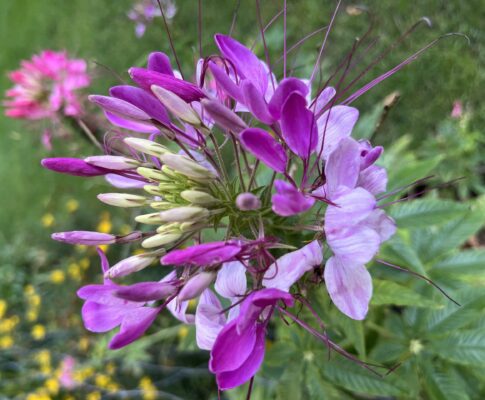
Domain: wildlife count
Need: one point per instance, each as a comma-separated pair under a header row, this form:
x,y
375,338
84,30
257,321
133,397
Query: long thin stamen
x,y
284,38
199,21
266,52
234,16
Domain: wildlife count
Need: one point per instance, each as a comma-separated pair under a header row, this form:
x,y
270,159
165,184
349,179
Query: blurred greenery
x,y
441,346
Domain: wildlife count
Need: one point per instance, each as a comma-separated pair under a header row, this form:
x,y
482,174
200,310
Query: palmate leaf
x,y
412,171
441,385
388,292
425,212
463,347
399,252
464,262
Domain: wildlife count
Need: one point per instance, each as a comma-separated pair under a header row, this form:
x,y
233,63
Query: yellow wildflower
x,y
94,396
83,344
38,332
72,205
183,332
57,276
104,224
74,271
48,220
52,385
8,324
110,368
84,263
6,342
3,308
32,315
102,380
149,390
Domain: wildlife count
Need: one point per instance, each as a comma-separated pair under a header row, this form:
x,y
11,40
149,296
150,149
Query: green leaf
x,y
464,262
354,331
465,347
412,171
422,213
399,252
388,292
441,386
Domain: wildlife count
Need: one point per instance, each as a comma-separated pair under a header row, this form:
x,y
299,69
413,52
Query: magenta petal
x,y
232,349
203,254
324,98
183,89
73,166
265,148
145,291
283,91
160,62
289,201
298,126
247,64
141,99
226,83
133,325
349,286
135,126
334,125
231,379
100,317
255,102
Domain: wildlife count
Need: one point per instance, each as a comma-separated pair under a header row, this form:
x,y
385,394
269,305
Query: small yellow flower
x,y
94,396
3,308
9,324
34,300
72,205
104,224
81,248
112,387
38,332
110,368
84,263
149,390
183,332
48,220
57,276
6,342
83,344
126,229
74,271
102,380
28,290
103,247
52,385
32,315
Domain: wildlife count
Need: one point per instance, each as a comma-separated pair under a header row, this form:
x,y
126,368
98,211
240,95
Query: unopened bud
x,y
162,205
160,239
116,163
198,197
178,107
84,238
146,291
146,146
223,116
196,285
173,227
120,107
152,189
122,199
191,226
187,166
129,265
151,173
182,214
149,219
248,201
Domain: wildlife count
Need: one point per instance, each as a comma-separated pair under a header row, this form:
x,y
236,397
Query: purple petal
x,y
133,325
231,280
73,166
179,311
373,179
160,62
289,201
369,154
183,89
381,223
231,349
352,206
358,244
292,266
255,102
196,285
209,320
343,166
334,125
135,126
265,148
84,238
223,116
283,91
206,254
119,107
145,291
226,83
100,317
349,286
247,64
324,98
231,379
141,99
123,182
298,126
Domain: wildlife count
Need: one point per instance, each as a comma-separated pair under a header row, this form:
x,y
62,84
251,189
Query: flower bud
x,y
187,166
181,214
152,189
120,107
191,226
73,166
196,285
160,239
146,291
146,146
173,227
129,265
149,219
116,163
162,205
84,237
248,201
122,199
198,197
223,116
178,107
151,173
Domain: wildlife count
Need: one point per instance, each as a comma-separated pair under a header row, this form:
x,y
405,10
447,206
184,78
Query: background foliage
x,y
440,347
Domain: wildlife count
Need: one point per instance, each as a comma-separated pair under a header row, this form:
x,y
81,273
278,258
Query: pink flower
x,y
46,86
457,110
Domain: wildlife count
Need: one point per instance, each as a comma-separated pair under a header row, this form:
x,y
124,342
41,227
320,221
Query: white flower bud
x,y
182,214
160,240
187,166
122,199
146,146
198,197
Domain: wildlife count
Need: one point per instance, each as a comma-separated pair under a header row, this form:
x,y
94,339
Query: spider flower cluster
x,y
239,154
46,87
144,12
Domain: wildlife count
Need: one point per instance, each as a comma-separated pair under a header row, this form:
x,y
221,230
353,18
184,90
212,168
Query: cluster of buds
x,y
292,155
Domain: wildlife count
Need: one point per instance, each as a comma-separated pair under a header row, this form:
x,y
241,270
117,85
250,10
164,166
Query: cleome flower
x,y
242,158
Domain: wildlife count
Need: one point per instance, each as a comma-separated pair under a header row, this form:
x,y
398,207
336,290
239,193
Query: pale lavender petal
x,y
223,116
373,179
100,317
298,126
231,379
179,311
324,98
381,223
265,148
133,325
289,268
288,200
351,207
369,154
359,244
84,238
196,285
159,62
283,91
231,349
231,280
123,182
135,126
349,286
334,125
343,166
255,102
209,320
120,107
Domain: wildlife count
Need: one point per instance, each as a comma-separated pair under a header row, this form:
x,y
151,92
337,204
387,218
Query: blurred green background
x,y
39,277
